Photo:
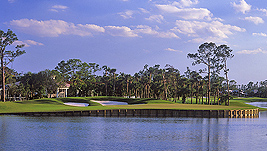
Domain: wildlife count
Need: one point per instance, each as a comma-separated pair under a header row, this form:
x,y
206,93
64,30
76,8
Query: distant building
x,y
61,91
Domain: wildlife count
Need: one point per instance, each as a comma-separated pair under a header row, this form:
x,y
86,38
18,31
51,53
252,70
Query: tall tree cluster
x,y
8,55
215,58
251,89
90,79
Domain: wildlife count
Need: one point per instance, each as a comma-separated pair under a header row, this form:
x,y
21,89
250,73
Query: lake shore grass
x,y
57,104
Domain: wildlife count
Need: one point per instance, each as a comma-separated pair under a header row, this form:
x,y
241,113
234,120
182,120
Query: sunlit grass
x,y
51,105
183,107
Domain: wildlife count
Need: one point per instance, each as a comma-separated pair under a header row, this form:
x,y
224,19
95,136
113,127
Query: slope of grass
x,y
50,105
251,99
182,107
242,102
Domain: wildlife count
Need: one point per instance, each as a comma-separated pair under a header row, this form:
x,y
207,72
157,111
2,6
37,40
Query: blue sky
x,y
127,34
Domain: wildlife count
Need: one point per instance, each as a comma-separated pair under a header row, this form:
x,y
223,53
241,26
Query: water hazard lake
x,y
108,133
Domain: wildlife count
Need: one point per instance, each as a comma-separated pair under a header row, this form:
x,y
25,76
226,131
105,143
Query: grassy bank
x,y
51,105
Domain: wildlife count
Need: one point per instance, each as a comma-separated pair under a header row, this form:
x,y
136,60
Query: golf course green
x,y
57,104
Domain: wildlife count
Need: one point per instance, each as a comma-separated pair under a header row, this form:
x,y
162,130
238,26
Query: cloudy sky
x,y
127,34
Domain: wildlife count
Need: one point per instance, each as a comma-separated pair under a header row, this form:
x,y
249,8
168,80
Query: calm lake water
x,y
100,133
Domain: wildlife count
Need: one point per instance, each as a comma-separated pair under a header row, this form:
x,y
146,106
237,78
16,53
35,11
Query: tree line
x,y
90,79
251,89
150,82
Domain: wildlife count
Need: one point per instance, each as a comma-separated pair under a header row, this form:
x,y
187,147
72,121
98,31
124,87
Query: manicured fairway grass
x,y
51,105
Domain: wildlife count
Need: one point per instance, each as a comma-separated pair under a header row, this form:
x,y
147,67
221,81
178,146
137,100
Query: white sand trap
x,y
104,103
77,104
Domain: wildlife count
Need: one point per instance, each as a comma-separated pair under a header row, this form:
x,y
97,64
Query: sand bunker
x,y
77,104
104,103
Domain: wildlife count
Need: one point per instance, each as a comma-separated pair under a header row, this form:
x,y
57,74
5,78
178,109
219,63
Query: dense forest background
x,y
91,79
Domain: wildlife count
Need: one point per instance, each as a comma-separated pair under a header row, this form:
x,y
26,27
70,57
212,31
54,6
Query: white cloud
x,y
15,43
205,30
127,14
259,34
186,13
207,39
11,1
255,20
31,42
53,10
185,3
256,51
120,31
157,18
219,19
28,43
147,51
54,28
143,29
170,49
57,8
263,10
168,8
89,28
167,35
242,6
144,10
